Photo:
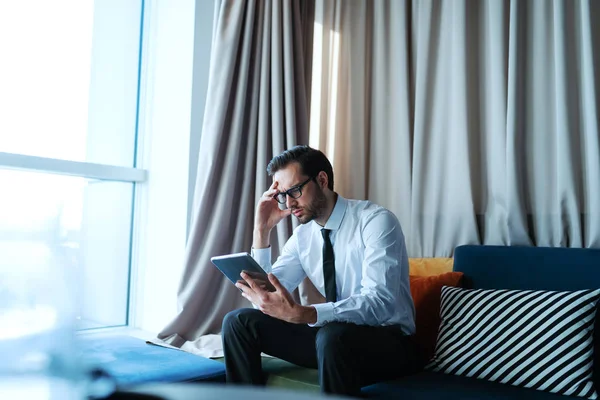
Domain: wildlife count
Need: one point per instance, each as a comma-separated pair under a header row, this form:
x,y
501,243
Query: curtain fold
x,y
257,106
588,50
475,122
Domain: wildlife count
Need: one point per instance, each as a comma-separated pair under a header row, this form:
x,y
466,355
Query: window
x,y
69,99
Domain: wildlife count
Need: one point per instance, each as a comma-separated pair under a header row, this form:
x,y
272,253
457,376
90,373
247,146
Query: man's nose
x,y
290,202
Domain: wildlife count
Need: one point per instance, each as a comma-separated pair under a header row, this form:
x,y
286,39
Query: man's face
x,y
311,203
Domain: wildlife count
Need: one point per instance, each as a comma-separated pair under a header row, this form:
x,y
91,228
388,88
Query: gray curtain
x,y
474,121
257,106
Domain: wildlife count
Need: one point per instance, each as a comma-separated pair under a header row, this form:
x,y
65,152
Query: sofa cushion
x,y
131,361
426,292
535,339
435,386
427,266
543,268
284,374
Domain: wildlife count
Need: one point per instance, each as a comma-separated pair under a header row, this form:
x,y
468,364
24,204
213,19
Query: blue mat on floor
x,y
131,361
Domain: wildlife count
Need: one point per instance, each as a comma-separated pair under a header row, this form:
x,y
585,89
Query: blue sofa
x,y
132,362
502,267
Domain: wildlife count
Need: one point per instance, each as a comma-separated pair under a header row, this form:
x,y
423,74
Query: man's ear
x,y
322,179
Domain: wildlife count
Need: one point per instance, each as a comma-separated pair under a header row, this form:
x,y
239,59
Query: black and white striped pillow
x,y
530,338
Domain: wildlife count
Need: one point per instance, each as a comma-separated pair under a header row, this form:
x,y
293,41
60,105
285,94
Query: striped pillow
x,y
530,338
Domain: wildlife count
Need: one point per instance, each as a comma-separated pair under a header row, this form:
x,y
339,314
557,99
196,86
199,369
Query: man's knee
x,y
332,337
237,319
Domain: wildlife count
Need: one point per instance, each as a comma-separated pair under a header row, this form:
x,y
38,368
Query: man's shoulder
x,y
366,210
372,217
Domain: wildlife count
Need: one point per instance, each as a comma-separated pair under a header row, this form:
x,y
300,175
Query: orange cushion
x,y
426,292
430,266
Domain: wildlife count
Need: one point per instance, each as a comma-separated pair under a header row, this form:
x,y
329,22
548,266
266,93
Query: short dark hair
x,y
312,161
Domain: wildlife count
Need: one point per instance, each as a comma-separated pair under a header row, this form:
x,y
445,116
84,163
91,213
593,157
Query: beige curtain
x,y
474,121
257,106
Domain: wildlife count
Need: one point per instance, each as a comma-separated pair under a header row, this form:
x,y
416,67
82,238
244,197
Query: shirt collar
x,y
337,215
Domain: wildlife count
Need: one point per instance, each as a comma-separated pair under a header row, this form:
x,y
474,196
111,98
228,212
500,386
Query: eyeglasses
x,y
294,192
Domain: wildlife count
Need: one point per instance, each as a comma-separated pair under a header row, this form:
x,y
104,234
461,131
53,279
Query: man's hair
x,y
311,162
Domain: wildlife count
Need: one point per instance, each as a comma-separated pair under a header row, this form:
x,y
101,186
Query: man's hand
x,y
261,280
268,214
278,304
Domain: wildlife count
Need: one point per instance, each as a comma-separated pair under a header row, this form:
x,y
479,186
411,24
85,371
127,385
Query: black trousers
x,y
348,356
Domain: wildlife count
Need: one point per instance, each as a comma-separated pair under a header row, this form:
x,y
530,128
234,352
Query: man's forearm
x,y
260,238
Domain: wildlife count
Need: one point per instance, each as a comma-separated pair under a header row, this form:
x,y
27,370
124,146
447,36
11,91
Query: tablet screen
x,y
232,265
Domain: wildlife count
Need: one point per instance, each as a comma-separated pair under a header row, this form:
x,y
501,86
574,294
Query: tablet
x,y
231,265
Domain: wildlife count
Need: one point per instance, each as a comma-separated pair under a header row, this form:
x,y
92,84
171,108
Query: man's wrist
x,y
306,315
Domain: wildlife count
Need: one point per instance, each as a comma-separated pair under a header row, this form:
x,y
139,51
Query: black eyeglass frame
x,y
292,190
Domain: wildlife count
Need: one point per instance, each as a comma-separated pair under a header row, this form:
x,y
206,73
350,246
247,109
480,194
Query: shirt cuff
x,y
324,313
263,258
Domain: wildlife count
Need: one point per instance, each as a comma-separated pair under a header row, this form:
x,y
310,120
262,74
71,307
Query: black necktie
x,y
328,266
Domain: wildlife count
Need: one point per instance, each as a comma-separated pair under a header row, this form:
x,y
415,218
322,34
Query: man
x,y
355,255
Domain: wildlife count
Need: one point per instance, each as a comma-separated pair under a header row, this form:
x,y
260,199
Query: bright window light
x,y
69,79
69,90
45,77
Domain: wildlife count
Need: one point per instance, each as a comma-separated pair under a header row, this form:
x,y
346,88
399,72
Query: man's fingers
x,y
246,291
254,275
270,194
272,189
261,281
275,282
251,282
243,286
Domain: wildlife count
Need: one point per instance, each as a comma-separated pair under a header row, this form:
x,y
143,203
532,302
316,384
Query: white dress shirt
x,y
371,266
